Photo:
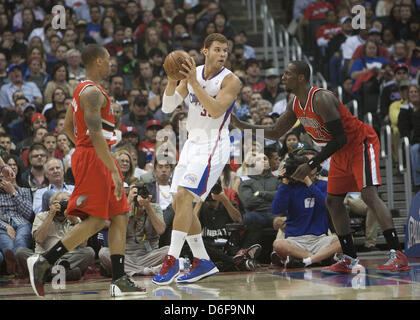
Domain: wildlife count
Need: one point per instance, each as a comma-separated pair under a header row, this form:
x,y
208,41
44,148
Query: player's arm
x,y
173,95
92,101
326,105
69,125
274,132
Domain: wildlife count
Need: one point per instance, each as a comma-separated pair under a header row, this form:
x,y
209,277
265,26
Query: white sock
x,y
307,261
177,241
197,246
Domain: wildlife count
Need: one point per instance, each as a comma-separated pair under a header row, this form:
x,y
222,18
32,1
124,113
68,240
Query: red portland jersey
x,y
81,131
315,126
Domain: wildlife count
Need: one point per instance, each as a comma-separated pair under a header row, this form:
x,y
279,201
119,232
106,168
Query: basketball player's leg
x,y
117,242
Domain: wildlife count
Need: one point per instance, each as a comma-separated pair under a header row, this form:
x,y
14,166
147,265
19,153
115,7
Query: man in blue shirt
x,y
306,240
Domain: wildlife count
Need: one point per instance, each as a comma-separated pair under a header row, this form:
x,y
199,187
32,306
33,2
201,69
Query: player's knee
x,y
183,195
279,246
333,202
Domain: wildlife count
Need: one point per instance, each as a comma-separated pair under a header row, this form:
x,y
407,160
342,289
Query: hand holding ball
x,y
173,64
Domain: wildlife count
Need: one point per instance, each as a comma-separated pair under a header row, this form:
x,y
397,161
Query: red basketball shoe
x,y
345,265
397,263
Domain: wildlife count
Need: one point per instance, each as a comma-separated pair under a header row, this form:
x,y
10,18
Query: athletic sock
x,y
197,246
391,238
347,245
55,253
177,241
307,261
117,263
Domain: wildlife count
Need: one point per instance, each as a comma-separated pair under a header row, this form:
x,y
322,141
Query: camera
x,y
291,164
217,189
141,191
63,207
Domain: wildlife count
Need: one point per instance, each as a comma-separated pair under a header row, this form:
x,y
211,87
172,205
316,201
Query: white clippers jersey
x,y
199,124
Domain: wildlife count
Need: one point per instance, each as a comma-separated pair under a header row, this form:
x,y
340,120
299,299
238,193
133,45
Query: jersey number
x,y
204,113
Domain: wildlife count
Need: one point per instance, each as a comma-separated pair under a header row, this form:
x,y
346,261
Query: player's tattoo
x,y
92,103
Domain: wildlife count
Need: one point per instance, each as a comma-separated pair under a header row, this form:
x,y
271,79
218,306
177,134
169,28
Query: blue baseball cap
x,y
12,66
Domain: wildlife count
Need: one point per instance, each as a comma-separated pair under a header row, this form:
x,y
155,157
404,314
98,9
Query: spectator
x,y
51,47
49,227
126,164
130,136
132,15
388,40
280,106
76,71
70,38
264,108
127,61
241,38
143,75
29,89
222,26
400,53
138,116
215,213
20,129
169,12
60,78
54,172
34,176
19,17
334,54
242,106
145,224
66,147
50,143
206,14
273,159
290,140
272,92
156,58
148,145
94,26
152,40
3,69
140,31
409,126
306,240
5,145
52,109
115,47
253,75
327,31
35,72
117,118
394,111
390,92
15,216
257,193
349,46
13,162
402,27
116,89
106,34
38,134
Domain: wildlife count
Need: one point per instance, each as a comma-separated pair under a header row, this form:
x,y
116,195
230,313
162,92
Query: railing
x,y
368,119
386,154
340,93
320,80
284,40
252,11
269,30
404,167
355,108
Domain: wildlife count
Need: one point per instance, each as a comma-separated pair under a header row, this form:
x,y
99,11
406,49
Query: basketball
x,y
173,64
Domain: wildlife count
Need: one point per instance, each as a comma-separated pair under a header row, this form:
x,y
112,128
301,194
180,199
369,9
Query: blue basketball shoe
x,y
200,269
170,269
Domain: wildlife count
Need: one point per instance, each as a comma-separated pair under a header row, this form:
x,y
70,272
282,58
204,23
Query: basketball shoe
x,y
170,269
250,253
345,265
124,286
200,269
397,263
38,268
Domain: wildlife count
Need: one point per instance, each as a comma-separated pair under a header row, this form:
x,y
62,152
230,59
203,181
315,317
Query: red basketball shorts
x,y
356,165
93,192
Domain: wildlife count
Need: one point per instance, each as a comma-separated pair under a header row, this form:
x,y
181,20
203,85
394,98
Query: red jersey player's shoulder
x,y
92,96
326,105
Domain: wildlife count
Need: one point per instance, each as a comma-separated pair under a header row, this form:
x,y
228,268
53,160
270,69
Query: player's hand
x,y
118,192
301,172
8,173
189,70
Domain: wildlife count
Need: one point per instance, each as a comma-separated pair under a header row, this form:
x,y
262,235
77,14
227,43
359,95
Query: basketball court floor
x,y
267,283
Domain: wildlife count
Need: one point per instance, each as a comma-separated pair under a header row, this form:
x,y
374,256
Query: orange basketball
x,y
173,63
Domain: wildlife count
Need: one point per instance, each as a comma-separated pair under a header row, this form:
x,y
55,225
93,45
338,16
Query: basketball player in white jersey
x,y
211,91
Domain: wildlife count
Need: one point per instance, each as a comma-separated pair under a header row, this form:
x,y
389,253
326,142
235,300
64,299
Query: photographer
x,y
145,224
50,227
214,213
307,239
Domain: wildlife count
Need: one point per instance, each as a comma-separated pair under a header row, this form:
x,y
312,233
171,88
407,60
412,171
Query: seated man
x,y
145,224
306,240
221,244
50,227
15,221
54,172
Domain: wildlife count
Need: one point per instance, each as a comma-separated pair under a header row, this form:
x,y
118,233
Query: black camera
x,y
141,191
217,189
63,207
291,164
